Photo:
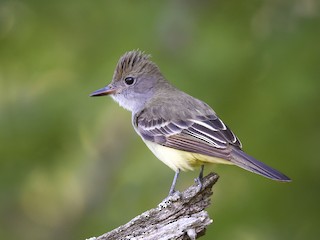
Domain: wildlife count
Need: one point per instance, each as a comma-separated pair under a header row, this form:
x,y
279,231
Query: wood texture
x,y
180,216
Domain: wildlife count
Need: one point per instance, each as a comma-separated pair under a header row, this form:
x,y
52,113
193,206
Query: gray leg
x,y
199,179
201,173
173,185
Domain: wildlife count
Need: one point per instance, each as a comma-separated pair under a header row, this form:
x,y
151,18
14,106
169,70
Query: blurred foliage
x,y
71,167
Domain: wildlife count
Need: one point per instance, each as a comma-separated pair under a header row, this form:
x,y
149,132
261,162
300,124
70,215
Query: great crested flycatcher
x,y
182,131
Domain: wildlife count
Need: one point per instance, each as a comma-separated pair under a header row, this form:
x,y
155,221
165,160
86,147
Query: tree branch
x,y
180,216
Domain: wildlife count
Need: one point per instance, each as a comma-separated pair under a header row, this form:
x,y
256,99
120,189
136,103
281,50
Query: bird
x,y
180,130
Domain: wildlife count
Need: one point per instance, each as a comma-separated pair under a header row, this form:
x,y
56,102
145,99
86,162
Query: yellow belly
x,y
177,159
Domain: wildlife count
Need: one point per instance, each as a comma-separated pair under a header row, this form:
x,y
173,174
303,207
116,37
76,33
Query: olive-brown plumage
x,y
180,130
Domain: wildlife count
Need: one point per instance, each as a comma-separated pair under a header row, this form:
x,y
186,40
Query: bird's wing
x,y
204,134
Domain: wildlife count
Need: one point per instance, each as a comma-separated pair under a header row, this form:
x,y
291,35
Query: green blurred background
x,y
72,167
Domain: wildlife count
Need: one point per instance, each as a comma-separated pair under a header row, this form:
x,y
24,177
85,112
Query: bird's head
x,y
134,81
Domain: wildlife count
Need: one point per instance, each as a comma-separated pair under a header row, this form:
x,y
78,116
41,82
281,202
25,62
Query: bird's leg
x,y
173,185
199,179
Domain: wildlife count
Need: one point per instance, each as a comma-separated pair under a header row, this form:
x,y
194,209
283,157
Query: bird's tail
x,y
243,160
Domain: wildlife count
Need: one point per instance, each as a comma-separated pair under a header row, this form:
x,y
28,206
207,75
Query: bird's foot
x,y
199,179
172,192
173,185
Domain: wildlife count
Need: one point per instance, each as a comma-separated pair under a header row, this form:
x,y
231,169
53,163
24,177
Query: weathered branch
x,y
180,216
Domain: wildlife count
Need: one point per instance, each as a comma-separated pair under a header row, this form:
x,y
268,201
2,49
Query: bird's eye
x,y
129,80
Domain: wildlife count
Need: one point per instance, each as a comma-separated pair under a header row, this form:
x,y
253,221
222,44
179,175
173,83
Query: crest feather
x,y
135,61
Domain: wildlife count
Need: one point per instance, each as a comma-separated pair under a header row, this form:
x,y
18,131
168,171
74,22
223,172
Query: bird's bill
x,y
103,91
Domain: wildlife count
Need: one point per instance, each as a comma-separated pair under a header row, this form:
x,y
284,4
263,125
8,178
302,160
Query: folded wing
x,y
206,135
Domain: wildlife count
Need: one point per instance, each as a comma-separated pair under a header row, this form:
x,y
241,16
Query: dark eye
x,y
129,80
